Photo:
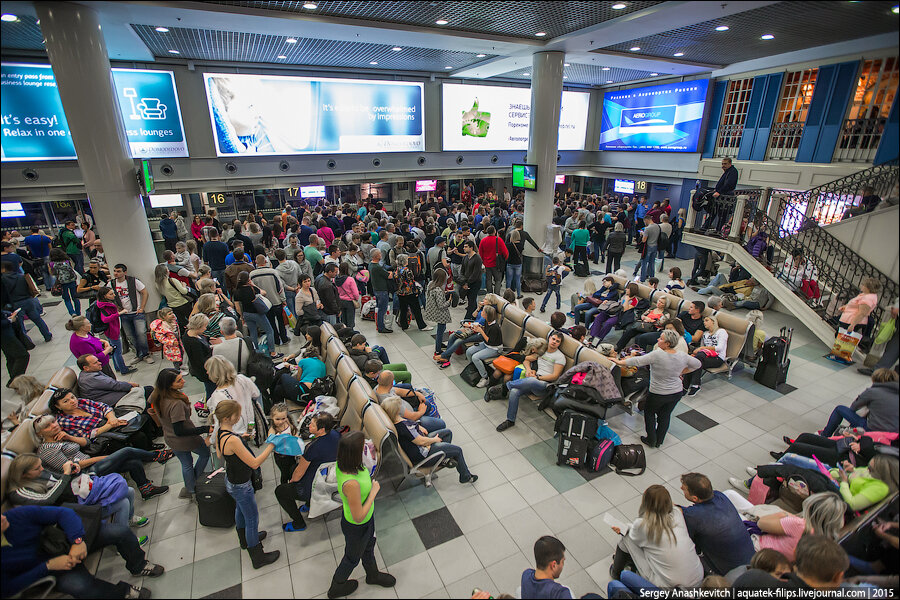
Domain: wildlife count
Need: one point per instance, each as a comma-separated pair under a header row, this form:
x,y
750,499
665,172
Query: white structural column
x,y
543,143
77,53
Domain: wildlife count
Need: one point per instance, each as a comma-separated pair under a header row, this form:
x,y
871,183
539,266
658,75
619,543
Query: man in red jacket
x,y
489,249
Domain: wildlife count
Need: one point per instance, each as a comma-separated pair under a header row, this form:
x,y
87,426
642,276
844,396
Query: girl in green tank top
x,y
364,480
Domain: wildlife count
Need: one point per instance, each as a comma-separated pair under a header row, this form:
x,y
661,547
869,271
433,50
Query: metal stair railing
x,y
828,203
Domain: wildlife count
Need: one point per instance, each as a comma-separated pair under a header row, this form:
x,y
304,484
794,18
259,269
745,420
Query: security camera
x,y
459,159
284,165
167,170
231,168
376,162
495,159
331,164
30,174
420,161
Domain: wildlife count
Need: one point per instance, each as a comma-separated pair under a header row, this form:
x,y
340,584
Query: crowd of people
x,y
235,294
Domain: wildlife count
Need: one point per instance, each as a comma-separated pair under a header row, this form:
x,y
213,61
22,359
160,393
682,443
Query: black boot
x,y
620,561
374,577
260,557
341,589
242,536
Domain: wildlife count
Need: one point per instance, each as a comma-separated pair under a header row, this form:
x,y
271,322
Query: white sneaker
x,y
751,471
138,521
482,383
739,484
429,328
149,360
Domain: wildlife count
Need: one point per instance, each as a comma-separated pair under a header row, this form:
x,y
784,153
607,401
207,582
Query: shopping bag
x,y
289,319
844,345
324,497
431,402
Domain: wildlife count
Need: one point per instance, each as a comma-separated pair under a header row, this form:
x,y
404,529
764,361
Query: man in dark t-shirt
x,y
692,319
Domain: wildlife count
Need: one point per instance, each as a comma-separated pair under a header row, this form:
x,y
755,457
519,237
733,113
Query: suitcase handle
x,y
216,472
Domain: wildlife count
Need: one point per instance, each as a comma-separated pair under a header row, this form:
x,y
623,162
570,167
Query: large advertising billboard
x,y
488,117
277,115
35,127
659,118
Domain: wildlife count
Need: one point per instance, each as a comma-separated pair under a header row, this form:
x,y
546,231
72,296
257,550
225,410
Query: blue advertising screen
x,y
273,115
34,124
659,118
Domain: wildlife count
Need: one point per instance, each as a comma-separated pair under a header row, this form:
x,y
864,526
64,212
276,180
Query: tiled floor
x,y
444,541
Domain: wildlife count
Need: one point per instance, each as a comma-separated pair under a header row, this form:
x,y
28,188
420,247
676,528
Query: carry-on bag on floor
x,y
844,346
629,456
576,433
470,374
774,362
214,504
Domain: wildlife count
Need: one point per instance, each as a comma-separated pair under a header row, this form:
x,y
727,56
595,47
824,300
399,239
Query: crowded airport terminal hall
x,y
450,299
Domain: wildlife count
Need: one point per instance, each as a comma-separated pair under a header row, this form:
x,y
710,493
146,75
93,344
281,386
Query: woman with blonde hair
x,y
711,353
230,385
83,342
208,304
658,544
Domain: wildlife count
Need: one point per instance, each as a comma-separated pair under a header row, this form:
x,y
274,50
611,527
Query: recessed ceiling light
x,y
767,36
396,48
163,29
448,67
441,22
374,62
605,69
653,74
480,55
541,33
310,6
722,28
566,65
174,52
9,18
635,48
609,81
678,54
281,57
291,41
618,6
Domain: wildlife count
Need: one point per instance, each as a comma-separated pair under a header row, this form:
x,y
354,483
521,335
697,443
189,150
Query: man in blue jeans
x,y
379,277
540,372
651,239
39,244
20,291
25,563
133,295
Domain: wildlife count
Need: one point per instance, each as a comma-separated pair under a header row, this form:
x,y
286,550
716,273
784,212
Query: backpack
x,y
323,386
629,456
600,455
93,315
662,242
261,368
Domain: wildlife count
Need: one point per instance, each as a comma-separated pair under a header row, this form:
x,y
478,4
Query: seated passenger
x,y
385,389
588,309
322,448
711,353
24,563
418,445
648,323
862,487
692,320
58,447
373,368
658,544
676,285
540,582
714,525
96,385
30,483
820,565
488,347
464,335
540,371
360,352
880,400
607,319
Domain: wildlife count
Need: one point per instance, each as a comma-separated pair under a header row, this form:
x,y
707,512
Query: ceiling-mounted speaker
x,y
376,162
331,164
284,166
30,174
230,168
167,170
420,161
459,159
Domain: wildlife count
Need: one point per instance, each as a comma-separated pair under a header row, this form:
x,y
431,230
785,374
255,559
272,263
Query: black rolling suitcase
x,y
214,503
581,270
774,363
576,435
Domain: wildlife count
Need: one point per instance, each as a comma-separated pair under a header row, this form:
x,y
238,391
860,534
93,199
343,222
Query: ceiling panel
x,y
24,34
233,46
582,74
795,25
509,19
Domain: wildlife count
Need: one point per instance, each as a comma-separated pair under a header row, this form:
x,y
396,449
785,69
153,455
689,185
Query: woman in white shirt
x,y
231,386
711,353
658,544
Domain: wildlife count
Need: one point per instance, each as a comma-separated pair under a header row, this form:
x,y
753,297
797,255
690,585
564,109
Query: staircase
x,y
791,221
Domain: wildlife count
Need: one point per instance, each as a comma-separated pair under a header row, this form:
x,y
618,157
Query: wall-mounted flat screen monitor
x,y
524,176
560,179
312,191
659,118
165,200
279,115
9,210
426,185
623,186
